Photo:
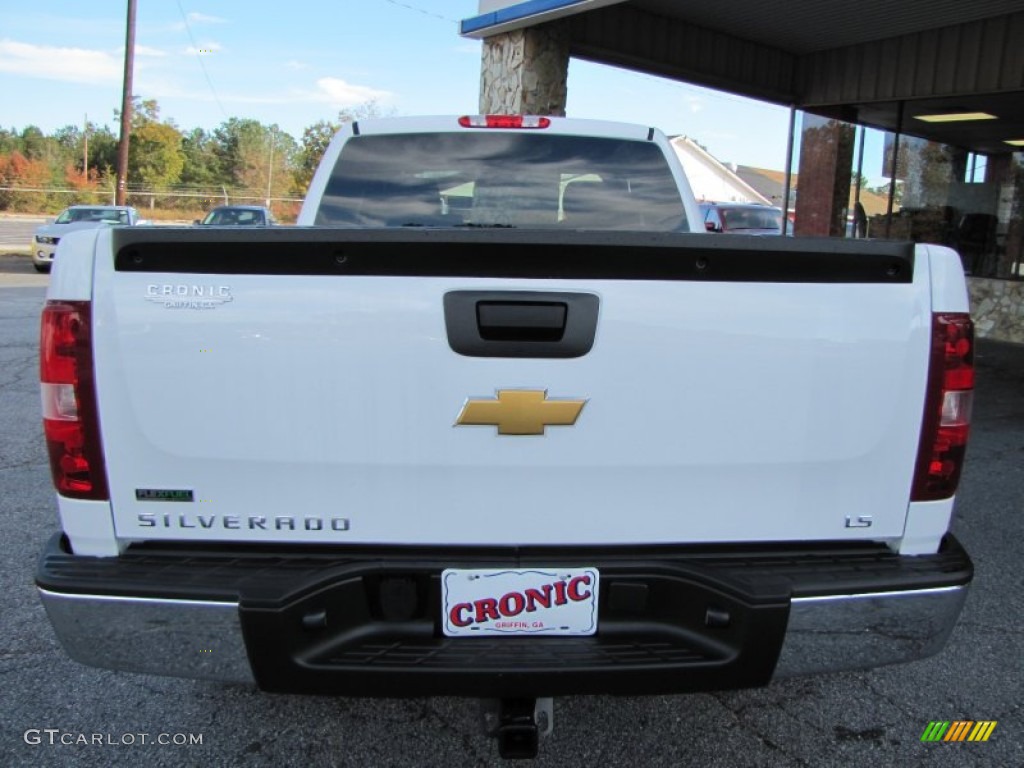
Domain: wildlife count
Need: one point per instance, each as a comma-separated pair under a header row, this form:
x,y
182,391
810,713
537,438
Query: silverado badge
x,y
520,412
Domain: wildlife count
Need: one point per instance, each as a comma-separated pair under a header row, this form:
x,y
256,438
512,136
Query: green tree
x,y
102,150
69,139
34,143
144,111
239,144
316,137
155,157
73,141
255,157
9,141
281,182
202,167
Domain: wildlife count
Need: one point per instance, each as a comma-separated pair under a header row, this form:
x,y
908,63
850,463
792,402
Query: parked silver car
x,y
238,216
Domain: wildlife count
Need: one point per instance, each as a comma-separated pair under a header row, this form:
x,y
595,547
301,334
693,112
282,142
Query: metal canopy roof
x,y
856,61
806,26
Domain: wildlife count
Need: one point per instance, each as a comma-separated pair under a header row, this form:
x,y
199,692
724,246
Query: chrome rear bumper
x,y
846,632
175,638
200,639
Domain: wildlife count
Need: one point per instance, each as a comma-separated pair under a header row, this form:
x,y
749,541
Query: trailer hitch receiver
x,y
517,724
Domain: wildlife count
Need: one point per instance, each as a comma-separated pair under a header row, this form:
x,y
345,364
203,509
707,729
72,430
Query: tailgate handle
x,y
521,320
520,323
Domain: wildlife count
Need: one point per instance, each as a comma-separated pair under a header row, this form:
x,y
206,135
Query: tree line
x,y
171,171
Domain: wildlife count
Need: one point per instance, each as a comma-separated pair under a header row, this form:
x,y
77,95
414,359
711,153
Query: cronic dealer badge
x,y
188,295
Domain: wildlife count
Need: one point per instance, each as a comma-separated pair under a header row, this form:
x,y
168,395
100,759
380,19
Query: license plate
x,y
533,601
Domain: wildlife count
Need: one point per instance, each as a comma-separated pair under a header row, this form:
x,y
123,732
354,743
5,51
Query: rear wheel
x,y
42,267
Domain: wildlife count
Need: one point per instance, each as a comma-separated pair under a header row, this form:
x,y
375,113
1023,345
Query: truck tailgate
x,y
286,399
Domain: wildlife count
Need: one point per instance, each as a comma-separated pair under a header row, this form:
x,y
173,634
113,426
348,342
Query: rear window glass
x,y
233,217
752,218
500,179
92,214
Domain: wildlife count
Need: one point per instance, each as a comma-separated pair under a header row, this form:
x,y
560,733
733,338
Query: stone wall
x,y
997,307
524,72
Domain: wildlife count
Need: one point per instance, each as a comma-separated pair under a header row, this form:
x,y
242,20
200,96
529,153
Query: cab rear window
x,y
501,179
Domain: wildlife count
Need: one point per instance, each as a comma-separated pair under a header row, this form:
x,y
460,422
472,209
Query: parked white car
x,y
46,237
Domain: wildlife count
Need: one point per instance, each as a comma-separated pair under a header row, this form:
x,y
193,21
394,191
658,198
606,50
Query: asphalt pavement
x,y
16,231
873,718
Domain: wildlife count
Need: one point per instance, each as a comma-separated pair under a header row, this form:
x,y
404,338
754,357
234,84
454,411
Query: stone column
x,y
823,194
524,72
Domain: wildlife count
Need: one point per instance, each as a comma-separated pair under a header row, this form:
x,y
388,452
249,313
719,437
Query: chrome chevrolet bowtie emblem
x,y
520,412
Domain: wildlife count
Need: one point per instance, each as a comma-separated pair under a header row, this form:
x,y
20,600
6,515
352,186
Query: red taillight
x,y
503,121
947,414
70,421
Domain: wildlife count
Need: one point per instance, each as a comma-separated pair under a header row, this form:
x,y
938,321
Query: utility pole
x,y
121,195
270,167
85,150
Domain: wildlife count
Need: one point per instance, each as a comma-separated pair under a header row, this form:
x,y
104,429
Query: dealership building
x,y
941,83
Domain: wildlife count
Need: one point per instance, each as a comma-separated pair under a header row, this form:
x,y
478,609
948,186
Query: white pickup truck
x,y
501,421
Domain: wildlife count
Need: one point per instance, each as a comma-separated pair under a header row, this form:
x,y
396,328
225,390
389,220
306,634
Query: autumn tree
x,y
78,174
31,175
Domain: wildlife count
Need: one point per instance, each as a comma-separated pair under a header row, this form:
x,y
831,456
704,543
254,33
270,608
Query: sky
x,y
296,62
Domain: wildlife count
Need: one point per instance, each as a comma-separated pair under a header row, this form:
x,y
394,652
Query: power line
x,y
199,58
420,10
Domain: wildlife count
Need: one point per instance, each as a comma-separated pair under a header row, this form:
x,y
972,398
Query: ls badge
x,y
520,412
